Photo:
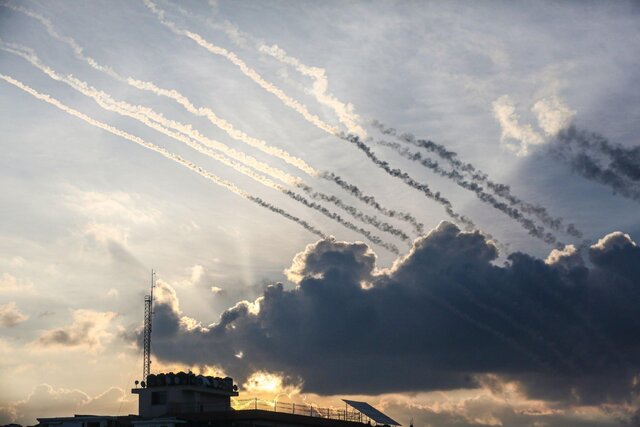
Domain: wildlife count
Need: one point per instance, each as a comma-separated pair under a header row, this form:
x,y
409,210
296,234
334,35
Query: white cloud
x,y
113,293
112,206
10,315
89,330
48,401
105,233
196,273
553,115
514,135
9,283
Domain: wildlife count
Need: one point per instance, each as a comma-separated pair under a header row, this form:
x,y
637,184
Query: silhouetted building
x,y
189,400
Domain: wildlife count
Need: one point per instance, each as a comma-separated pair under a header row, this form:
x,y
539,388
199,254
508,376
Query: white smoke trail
x,y
169,93
147,117
290,102
344,112
165,153
244,68
224,125
156,121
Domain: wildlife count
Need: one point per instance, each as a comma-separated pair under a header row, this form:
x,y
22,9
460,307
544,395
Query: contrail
x,y
217,121
380,225
246,70
302,110
167,154
343,111
147,117
169,93
371,201
423,188
587,151
533,229
501,190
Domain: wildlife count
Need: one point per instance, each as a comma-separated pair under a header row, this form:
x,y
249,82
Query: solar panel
x,y
371,412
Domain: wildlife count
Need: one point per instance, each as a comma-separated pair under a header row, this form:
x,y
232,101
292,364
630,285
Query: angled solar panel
x,y
371,412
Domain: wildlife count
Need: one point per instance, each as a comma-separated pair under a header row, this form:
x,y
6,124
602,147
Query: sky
x,y
430,206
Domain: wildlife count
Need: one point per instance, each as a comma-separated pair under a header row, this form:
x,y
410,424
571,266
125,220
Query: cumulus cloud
x,y
10,315
440,319
89,330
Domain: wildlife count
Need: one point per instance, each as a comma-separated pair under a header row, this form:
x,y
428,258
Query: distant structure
x,y
185,399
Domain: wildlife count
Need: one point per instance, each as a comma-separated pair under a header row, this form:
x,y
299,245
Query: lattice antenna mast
x,y
148,321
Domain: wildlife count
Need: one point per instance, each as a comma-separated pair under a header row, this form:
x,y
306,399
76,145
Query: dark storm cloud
x,y
596,158
565,328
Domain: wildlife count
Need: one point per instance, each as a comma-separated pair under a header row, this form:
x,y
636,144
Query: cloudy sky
x,y
431,206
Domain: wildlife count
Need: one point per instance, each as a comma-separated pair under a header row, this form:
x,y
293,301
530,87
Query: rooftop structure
x,y
185,399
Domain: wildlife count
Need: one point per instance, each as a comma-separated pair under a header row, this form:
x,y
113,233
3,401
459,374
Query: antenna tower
x,y
148,320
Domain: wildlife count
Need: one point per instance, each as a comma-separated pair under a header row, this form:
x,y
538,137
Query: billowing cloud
x,y
89,330
10,315
440,319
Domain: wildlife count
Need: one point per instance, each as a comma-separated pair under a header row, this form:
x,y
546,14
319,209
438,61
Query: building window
x,y
93,424
158,397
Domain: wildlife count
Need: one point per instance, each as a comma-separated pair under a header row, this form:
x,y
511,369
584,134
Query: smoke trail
x,y
343,111
169,93
371,201
149,117
244,68
586,152
424,188
165,153
380,225
214,119
501,190
302,110
77,50
455,176
138,113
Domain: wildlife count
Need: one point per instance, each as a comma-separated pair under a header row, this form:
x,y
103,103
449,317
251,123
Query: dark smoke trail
x,y
371,201
284,213
375,239
371,220
424,188
624,161
501,190
587,151
458,178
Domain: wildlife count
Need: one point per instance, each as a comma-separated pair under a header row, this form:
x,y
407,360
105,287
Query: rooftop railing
x,y
305,409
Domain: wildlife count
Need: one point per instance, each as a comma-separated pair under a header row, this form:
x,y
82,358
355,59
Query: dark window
x,y
158,397
93,424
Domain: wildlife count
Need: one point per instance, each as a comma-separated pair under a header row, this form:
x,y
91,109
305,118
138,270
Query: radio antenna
x,y
148,321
